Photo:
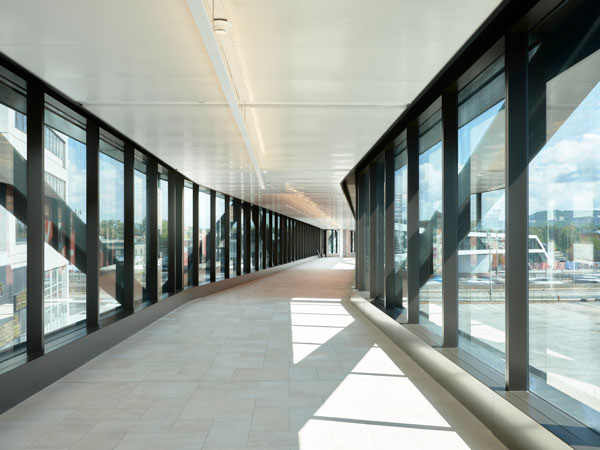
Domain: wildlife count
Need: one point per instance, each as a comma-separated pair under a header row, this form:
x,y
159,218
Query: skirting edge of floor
x,y
512,426
26,379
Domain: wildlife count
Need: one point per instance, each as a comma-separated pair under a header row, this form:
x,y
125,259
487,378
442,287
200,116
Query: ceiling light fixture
x,y
221,26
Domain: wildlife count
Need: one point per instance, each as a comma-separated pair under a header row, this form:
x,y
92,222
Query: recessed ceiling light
x,y
221,26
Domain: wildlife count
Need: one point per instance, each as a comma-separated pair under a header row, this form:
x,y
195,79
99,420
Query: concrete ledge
x,y
513,427
31,377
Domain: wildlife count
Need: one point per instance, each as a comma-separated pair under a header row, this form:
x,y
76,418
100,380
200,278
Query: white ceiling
x,y
318,82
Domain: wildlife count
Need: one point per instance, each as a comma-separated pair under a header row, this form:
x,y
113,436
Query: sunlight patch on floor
x,y
343,266
314,322
377,406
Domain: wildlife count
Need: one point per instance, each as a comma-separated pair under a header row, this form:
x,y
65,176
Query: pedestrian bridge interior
x,y
273,224
281,362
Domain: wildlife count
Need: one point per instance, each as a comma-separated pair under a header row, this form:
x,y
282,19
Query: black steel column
x,y
277,239
172,227
361,218
129,225
195,236
373,250
212,238
390,299
93,225
247,237
227,226
35,219
263,231
270,239
283,240
450,219
256,220
152,231
517,194
237,213
179,235
412,142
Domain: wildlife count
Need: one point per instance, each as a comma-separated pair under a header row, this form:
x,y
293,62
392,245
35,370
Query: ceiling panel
x,y
319,82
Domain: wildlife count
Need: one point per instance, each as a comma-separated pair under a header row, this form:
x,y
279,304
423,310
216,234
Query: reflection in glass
x,y
163,234
364,213
481,214
140,236
233,236
430,223
65,215
112,219
220,234
273,239
253,228
203,238
564,217
13,216
268,226
261,224
188,226
243,237
400,226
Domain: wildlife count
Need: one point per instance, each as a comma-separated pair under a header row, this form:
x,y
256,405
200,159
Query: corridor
x,y
284,362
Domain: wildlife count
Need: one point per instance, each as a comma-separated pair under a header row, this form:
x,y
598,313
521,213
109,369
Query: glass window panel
x,y
273,239
261,224
112,218
204,236
13,216
430,223
364,213
243,236
400,225
253,228
65,211
233,237
564,214
267,236
188,225
163,233
220,236
481,217
141,232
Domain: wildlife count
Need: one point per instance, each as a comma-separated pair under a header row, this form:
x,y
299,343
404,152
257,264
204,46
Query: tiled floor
x,y
284,362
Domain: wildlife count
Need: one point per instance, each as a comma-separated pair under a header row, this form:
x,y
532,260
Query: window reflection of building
x,y
64,263
13,232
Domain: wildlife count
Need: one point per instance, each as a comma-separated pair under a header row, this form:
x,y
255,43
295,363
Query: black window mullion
x,y
92,225
35,219
129,227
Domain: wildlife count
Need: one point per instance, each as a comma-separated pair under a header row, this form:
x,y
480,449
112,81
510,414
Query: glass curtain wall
x,y
243,237
253,229
261,224
65,189
204,236
220,233
13,215
364,213
564,213
112,223
188,226
268,237
430,223
233,237
481,216
141,231
278,239
163,233
400,225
